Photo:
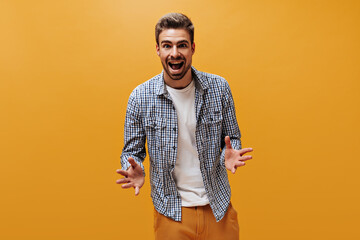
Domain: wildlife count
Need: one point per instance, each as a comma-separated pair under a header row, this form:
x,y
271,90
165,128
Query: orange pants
x,y
197,223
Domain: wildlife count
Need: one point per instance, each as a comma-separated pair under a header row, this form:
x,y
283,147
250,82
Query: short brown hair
x,y
175,21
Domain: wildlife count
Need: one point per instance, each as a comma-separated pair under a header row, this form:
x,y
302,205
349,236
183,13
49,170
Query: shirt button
x,y
174,128
174,147
173,107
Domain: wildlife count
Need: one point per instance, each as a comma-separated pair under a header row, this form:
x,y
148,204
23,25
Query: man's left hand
x,y
234,158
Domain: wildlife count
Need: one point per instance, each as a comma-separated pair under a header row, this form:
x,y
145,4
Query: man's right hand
x,y
133,177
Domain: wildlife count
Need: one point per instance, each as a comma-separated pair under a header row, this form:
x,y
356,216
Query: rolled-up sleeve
x,y
134,135
230,126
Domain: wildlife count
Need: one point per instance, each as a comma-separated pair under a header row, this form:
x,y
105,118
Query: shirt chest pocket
x,y
155,129
212,125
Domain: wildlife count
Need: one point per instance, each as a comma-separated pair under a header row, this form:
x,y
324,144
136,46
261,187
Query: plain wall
x,y
68,67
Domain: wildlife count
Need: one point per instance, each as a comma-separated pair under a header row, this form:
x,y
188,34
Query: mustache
x,y
175,59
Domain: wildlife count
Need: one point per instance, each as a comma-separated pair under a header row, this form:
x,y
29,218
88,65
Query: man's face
x,y
175,51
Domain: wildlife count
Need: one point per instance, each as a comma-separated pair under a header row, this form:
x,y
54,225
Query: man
x,y
188,119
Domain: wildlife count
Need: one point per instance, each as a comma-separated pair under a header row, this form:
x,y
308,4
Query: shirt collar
x,y
200,82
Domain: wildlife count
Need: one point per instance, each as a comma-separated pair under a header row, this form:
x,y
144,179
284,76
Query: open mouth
x,y
176,66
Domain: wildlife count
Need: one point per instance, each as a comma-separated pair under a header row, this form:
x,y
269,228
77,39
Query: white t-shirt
x,y
187,173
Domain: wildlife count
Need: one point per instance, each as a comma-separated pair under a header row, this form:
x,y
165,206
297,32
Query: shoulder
x,y
147,88
210,80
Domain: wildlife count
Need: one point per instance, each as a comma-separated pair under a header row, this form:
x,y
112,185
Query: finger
x,y
245,150
239,164
122,180
245,158
137,190
233,170
122,172
132,162
127,185
227,142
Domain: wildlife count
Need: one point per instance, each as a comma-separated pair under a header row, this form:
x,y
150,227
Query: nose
x,y
174,52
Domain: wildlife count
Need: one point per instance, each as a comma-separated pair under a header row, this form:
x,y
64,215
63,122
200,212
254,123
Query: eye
x,y
166,46
183,45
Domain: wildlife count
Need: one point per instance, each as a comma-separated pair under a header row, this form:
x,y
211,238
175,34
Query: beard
x,y
176,76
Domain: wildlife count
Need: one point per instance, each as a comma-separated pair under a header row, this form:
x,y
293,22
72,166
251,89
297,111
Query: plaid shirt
x,y
151,116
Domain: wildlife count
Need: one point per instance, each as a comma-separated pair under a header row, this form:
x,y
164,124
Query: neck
x,y
180,83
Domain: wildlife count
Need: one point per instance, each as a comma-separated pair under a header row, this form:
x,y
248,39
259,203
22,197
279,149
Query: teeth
x,y
176,65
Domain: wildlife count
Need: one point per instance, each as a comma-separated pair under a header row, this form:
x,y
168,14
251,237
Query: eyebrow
x,y
181,41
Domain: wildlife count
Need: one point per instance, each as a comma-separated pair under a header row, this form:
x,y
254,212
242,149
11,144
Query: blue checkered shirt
x,y
151,116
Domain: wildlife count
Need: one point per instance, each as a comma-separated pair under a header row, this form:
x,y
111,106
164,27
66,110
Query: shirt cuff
x,y
125,163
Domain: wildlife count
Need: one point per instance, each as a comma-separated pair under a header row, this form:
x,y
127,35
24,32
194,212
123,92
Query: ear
x,y
157,50
193,47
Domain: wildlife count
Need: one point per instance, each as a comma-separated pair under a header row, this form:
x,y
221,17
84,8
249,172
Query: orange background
x,y
68,67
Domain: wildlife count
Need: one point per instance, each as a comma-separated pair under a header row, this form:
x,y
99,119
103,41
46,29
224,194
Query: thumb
x,y
132,162
227,142
137,190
